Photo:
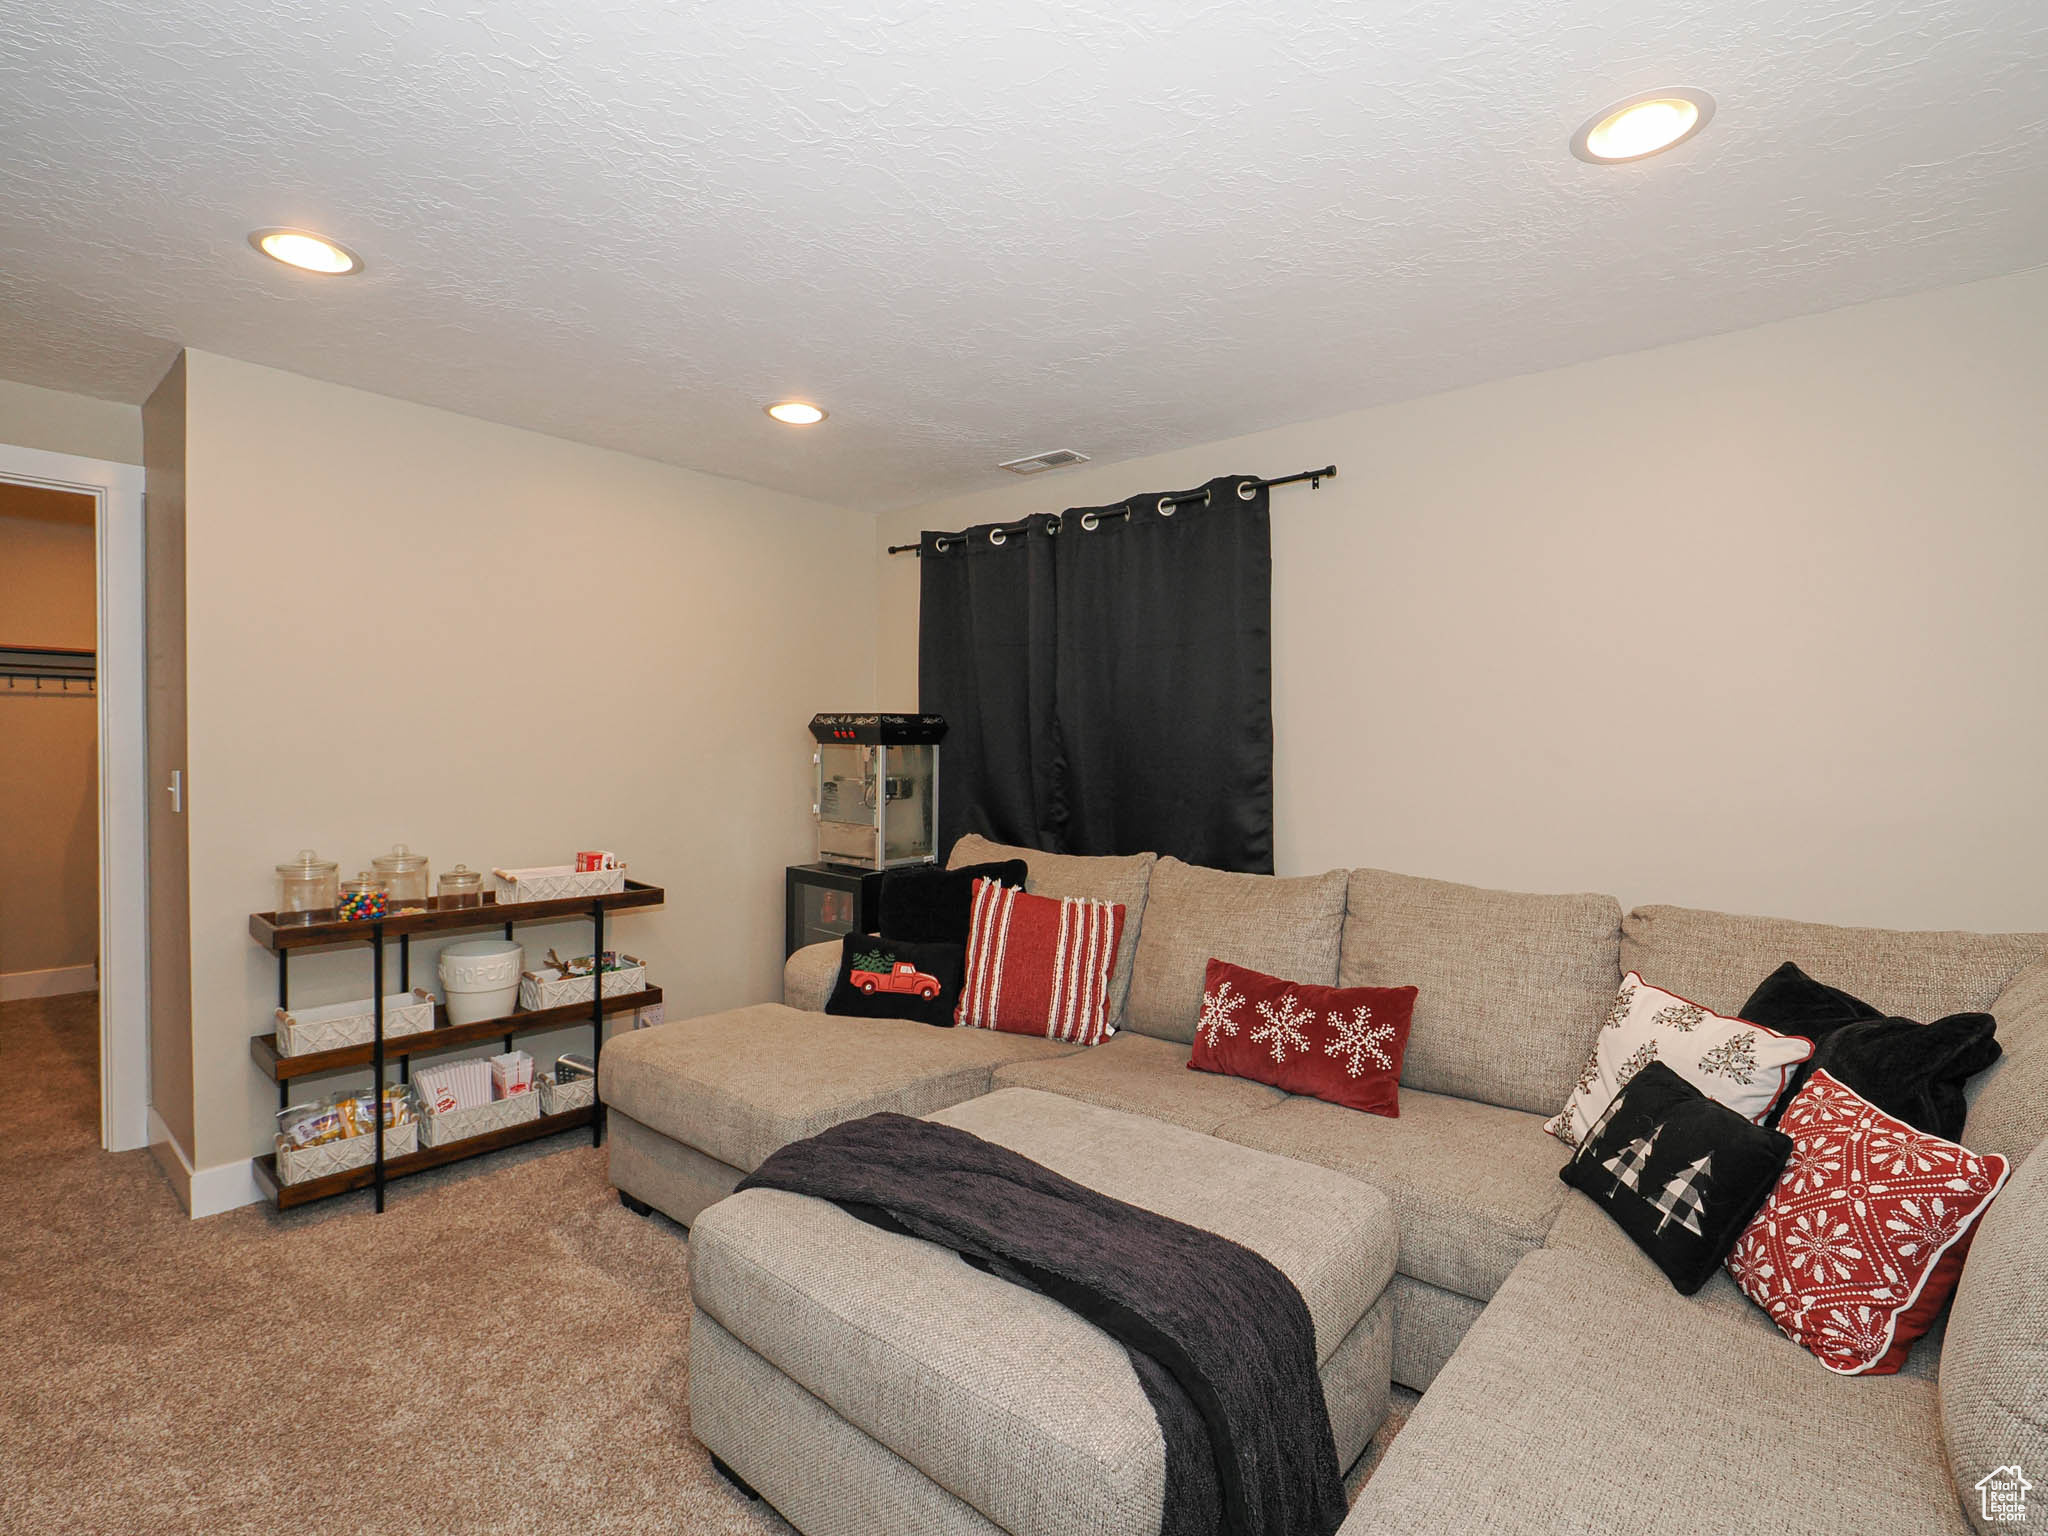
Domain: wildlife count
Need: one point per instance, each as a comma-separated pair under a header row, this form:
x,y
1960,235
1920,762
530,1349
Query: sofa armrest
x,y
807,976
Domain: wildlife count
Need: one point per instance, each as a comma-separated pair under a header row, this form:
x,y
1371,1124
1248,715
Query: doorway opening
x,y
49,782
73,867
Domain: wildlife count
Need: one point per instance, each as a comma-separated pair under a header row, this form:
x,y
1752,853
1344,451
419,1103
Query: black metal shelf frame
x,y
376,941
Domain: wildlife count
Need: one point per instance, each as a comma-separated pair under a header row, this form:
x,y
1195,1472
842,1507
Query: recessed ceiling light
x,y
1643,126
795,413
308,252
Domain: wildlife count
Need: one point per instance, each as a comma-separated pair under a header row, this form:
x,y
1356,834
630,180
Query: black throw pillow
x,y
1913,1071
1681,1174
889,979
929,905
1793,1003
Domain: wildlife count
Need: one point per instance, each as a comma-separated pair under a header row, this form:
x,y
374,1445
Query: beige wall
x,y
406,625
49,771
57,422
1755,622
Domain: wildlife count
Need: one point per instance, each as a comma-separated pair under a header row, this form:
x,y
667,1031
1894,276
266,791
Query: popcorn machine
x,y
877,789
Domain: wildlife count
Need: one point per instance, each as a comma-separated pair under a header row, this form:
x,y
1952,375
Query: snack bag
x,y
398,1106
309,1125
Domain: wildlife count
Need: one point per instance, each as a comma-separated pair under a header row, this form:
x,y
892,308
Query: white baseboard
x,y
170,1157
58,981
202,1191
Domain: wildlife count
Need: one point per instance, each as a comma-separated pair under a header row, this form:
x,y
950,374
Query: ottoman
x,y
863,1381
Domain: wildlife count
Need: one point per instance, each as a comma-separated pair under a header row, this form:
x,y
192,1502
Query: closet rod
x,y
47,663
1314,477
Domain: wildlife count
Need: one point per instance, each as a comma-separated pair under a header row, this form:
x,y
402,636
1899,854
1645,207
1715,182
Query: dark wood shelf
x,y
442,1037
430,917
285,1196
273,935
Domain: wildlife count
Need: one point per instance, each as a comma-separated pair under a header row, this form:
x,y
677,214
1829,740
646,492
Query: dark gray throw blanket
x,y
1220,1339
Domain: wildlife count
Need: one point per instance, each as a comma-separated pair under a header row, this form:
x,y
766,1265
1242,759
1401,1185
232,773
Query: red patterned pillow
x,y
1039,965
1343,1044
1860,1244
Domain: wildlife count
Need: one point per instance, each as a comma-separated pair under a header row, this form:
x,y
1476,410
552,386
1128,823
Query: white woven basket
x,y
559,1098
576,989
295,1165
333,1026
460,1124
555,882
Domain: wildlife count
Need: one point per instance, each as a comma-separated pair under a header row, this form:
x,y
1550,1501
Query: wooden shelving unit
x,y
283,939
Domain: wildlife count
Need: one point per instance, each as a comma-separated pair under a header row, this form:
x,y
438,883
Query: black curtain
x,y
984,661
1112,668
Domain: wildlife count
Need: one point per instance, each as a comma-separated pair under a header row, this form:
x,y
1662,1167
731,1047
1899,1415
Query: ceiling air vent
x,y
1039,463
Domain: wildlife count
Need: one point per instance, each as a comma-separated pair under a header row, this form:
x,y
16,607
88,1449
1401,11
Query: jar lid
x,y
308,864
461,875
399,859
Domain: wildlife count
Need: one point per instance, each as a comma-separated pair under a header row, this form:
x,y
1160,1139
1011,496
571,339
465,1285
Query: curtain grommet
x,y
938,546
1090,521
995,536
1166,506
1247,489
1052,525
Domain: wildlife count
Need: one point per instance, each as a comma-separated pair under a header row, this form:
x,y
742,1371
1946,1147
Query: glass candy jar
x,y
462,887
307,888
404,874
364,899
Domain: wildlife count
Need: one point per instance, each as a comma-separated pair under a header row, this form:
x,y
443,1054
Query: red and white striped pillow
x,y
1039,965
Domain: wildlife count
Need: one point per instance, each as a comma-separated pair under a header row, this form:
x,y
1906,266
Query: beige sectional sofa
x,y
1568,1387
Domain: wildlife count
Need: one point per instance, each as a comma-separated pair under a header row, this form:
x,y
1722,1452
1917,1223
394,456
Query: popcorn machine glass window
x,y
878,788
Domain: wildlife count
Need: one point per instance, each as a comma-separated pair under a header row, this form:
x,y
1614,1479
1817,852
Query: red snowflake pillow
x,y
1039,965
1859,1246
1343,1044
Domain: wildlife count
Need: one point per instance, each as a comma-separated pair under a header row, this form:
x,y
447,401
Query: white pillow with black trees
x,y
1732,1061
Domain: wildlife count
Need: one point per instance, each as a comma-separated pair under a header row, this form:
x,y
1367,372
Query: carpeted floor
x,y
505,1349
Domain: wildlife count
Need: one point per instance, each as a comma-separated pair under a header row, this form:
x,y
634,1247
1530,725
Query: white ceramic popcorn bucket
x,y
481,978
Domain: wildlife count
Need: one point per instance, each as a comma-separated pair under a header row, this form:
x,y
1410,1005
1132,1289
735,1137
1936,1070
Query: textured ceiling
x,y
977,230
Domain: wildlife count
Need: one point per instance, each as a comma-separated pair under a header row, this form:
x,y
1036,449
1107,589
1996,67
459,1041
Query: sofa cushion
x,y
1681,1423
1335,1241
2008,1101
1720,958
1474,1186
1286,927
999,1394
1120,881
1146,1077
1584,1228
1994,1372
738,1085
1512,986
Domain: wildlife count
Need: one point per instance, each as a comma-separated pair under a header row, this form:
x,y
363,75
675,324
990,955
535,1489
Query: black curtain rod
x,y
1314,477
